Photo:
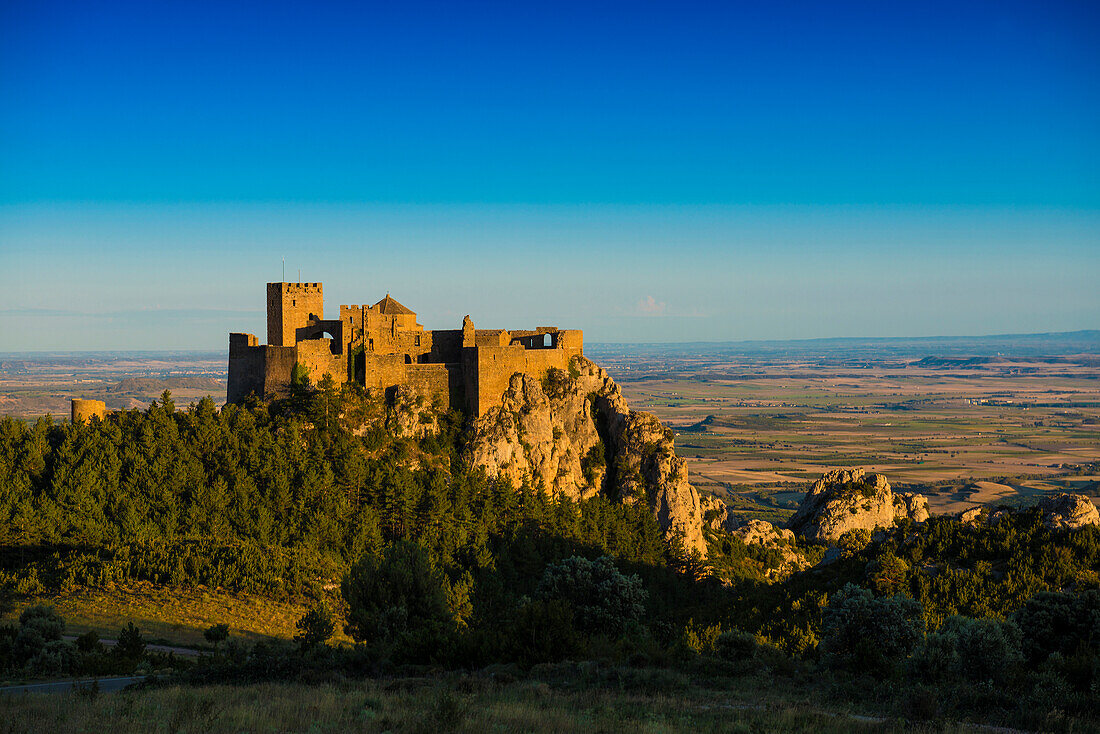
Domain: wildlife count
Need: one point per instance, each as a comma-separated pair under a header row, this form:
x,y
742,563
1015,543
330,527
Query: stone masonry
x,y
383,347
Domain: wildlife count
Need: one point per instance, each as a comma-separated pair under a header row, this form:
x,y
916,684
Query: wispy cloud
x,y
650,306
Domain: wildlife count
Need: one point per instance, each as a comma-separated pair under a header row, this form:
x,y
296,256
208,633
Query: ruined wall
x,y
496,365
317,357
278,367
571,340
446,345
246,367
318,329
431,379
290,306
381,371
492,338
84,410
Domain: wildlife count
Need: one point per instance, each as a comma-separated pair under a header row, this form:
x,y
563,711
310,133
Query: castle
x,y
383,347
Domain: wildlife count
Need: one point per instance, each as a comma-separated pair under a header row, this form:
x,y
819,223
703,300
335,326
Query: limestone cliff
x,y
847,500
573,433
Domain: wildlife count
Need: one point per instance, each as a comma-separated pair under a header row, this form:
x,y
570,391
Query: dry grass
x,y
177,615
461,705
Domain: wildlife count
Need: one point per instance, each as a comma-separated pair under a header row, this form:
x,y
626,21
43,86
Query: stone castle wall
x,y
317,356
495,366
382,347
85,410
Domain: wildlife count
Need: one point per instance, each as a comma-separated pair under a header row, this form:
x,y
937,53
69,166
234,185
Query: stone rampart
x,y
83,410
496,365
430,379
382,371
316,355
246,368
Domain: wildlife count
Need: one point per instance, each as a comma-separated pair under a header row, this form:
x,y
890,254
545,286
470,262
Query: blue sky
x,y
644,171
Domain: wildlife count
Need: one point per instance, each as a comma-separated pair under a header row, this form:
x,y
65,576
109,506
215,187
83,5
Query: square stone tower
x,y
290,306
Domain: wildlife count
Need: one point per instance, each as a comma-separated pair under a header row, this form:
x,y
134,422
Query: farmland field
x,y
964,430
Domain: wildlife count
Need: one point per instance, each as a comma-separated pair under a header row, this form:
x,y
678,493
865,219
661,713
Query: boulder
x,y
972,516
1068,511
762,532
844,500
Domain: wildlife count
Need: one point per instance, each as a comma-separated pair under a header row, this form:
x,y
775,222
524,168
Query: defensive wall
x,y
382,347
84,410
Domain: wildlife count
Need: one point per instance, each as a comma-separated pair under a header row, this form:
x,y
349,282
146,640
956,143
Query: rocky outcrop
x,y
716,514
1060,511
971,516
412,414
1068,511
846,500
409,413
573,433
762,533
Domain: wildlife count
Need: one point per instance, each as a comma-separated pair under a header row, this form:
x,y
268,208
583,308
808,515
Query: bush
x,y
216,634
315,627
43,619
867,634
542,632
89,642
56,658
38,626
397,602
604,601
1056,622
736,646
974,650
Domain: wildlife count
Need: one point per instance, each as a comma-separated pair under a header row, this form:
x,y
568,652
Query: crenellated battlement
x,y
382,346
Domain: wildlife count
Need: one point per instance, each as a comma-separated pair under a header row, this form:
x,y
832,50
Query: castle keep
x,y
383,347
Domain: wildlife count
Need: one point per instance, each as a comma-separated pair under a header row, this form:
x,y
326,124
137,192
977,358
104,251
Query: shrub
x,y
397,602
542,631
216,634
43,619
1056,622
854,540
38,626
88,642
975,650
130,646
736,645
315,627
863,633
56,658
604,601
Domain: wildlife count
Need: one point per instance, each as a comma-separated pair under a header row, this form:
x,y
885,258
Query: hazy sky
x,y
644,171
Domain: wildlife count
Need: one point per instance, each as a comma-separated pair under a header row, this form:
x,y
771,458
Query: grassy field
x,y
178,616
451,704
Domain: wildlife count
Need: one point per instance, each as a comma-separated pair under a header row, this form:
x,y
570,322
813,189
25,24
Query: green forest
x,y
427,562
